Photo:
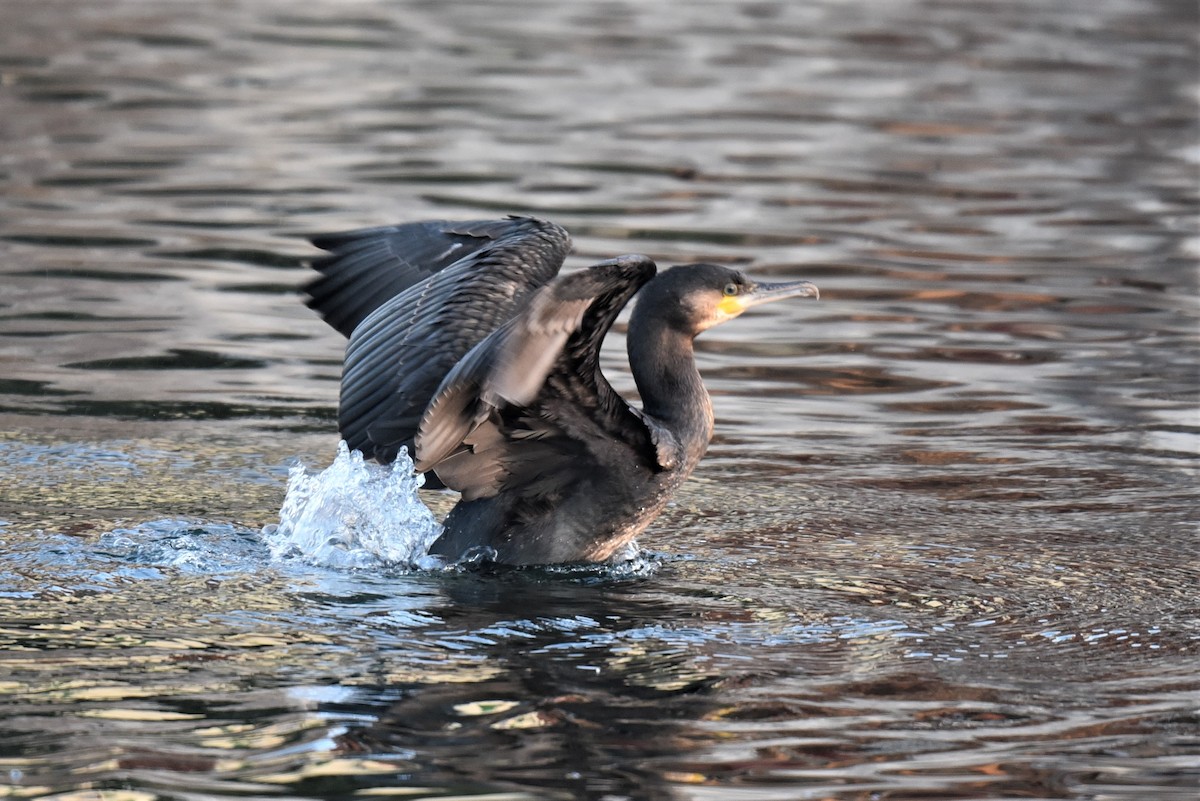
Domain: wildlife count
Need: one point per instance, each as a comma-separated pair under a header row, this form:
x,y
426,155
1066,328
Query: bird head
x,y
695,297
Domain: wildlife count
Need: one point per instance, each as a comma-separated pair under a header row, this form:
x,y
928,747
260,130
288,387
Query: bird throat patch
x,y
731,306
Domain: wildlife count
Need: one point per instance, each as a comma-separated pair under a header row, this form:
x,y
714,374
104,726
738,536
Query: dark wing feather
x,y
400,351
526,402
370,266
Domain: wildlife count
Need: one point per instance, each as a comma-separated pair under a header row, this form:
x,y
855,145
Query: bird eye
x,y
731,289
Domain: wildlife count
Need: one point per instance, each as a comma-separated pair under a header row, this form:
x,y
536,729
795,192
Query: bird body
x,y
468,348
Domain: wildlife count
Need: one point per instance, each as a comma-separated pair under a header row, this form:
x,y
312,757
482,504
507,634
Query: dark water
x,y
945,544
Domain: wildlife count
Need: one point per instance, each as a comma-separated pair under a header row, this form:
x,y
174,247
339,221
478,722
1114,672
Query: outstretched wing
x,y
414,299
529,402
370,266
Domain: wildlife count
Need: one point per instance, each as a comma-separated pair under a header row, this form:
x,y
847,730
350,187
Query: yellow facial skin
x,y
726,309
731,306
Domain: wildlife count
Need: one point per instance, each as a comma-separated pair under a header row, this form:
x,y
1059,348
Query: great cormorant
x,y
469,349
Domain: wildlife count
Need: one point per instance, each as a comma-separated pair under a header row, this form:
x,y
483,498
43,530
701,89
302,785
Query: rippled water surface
x,y
945,544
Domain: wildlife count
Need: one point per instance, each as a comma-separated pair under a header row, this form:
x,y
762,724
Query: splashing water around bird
x,y
355,514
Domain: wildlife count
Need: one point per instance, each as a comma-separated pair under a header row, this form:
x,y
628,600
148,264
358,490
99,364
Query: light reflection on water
x,y
944,544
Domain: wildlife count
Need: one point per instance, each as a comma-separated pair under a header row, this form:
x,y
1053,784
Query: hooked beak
x,y
767,293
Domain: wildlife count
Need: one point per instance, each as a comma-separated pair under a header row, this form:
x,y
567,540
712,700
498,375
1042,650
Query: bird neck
x,y
664,368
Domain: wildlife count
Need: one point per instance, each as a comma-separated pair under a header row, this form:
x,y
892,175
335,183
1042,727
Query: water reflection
x,y
702,673
566,693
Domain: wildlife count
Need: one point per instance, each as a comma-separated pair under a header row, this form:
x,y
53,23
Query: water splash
x,y
354,514
190,546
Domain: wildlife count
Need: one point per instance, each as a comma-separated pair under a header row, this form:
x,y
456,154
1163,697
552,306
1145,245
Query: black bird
x,y
469,349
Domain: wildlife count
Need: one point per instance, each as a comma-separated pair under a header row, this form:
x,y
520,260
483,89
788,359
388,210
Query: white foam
x,y
354,514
